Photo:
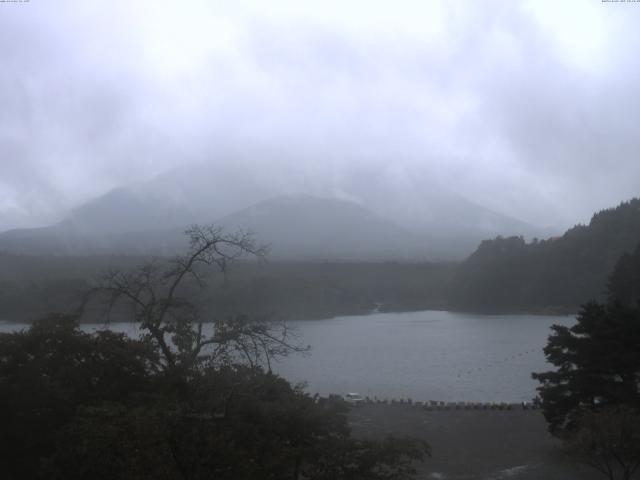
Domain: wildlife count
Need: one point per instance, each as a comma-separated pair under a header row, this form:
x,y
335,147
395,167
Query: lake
x,y
428,355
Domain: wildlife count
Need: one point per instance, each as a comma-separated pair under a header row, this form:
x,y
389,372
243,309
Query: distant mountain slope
x,y
194,194
126,209
306,227
125,219
563,272
298,227
454,224
142,218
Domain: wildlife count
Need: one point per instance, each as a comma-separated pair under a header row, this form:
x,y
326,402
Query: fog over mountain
x,y
217,217
456,119
304,227
208,191
337,221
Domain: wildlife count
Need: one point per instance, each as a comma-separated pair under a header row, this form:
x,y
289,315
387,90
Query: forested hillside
x,y
502,275
31,286
558,274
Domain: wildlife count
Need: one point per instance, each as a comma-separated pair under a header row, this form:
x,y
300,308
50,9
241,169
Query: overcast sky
x,y
530,108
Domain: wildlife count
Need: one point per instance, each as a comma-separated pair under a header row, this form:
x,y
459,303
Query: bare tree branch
x,y
159,296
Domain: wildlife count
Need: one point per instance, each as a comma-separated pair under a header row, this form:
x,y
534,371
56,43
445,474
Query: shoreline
x,y
544,312
474,444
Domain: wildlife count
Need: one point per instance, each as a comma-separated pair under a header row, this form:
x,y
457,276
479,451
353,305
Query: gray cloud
x,y
528,108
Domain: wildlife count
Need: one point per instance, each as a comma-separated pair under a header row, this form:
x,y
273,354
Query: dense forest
x,y
509,274
553,275
31,286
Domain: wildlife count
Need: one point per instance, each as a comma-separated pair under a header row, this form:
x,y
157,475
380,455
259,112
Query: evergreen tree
x,y
592,399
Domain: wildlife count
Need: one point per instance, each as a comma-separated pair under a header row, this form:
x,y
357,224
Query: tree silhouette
x,y
160,297
592,399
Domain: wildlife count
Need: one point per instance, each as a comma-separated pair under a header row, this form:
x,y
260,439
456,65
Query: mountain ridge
x,y
450,225
298,227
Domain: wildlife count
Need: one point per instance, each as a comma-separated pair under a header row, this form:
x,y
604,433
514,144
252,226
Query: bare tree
x,y
160,296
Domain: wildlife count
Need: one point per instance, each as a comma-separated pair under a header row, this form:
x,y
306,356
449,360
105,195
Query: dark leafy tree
x,y
609,440
597,377
47,372
598,364
263,429
179,403
598,359
364,459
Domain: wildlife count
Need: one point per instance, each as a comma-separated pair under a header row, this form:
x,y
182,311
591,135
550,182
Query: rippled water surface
x,y
429,355
424,355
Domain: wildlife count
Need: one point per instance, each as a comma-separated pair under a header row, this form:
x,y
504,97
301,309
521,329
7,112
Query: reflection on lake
x,y
429,355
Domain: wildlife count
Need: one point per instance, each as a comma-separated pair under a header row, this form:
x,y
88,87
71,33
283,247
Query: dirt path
x,y
475,444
